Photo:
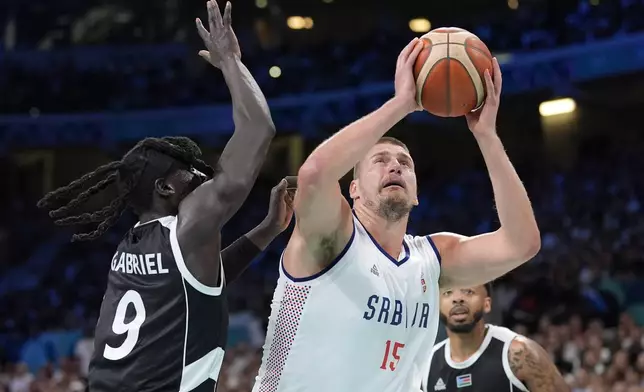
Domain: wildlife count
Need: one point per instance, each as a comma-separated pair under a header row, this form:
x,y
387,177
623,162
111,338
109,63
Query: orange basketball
x,y
449,72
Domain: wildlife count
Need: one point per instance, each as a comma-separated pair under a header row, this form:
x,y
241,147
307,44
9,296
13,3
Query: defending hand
x,y
280,210
220,41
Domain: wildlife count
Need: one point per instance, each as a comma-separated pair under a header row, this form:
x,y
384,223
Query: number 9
x,y
120,327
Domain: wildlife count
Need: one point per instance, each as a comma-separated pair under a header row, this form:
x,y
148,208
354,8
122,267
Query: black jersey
x,y
159,328
488,370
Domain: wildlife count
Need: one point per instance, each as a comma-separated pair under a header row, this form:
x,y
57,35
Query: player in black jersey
x,y
479,357
163,320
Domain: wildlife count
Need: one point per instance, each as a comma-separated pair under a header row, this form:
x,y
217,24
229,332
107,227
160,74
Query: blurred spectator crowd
x,y
140,81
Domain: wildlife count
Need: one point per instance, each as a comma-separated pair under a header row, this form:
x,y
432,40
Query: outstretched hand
x,y
280,210
220,41
483,120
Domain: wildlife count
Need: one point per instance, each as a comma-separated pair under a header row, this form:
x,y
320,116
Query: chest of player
x,y
486,374
474,379
395,293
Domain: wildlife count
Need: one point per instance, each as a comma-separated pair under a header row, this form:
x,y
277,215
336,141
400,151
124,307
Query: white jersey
x,y
367,322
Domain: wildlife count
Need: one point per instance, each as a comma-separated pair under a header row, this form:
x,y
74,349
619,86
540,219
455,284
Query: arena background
x,y
81,81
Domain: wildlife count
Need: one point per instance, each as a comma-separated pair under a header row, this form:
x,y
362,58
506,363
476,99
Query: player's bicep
x,y
472,261
532,365
320,208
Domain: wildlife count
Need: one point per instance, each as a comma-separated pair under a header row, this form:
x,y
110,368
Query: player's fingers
x,y
214,16
292,182
203,33
280,188
404,54
415,52
409,48
489,85
227,14
498,78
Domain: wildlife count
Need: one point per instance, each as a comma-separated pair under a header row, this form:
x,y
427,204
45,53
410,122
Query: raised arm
x,y
471,261
241,253
204,211
532,365
246,150
323,216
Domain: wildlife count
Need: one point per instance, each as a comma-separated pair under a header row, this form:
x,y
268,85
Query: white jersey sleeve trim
x,y
171,223
433,245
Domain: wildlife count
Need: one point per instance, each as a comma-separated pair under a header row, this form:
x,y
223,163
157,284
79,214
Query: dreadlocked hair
x,y
127,174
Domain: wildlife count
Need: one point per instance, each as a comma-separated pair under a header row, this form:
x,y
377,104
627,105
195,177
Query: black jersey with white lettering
x,y
159,328
488,370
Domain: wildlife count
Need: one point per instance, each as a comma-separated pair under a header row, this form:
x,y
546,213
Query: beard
x,y
464,327
394,208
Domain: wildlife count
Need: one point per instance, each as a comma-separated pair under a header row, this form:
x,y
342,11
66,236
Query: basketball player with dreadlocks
x,y
164,318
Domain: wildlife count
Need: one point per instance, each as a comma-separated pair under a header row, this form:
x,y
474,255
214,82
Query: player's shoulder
x,y
518,346
423,243
502,333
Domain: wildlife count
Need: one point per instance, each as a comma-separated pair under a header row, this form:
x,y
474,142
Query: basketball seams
x,y
448,77
475,78
467,46
464,53
421,78
481,51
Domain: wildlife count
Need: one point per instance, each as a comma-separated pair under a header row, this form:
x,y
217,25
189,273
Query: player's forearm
x,y
241,253
238,256
513,205
337,155
245,152
249,103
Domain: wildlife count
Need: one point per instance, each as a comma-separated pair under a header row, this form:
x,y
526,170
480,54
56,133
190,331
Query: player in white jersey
x,y
356,304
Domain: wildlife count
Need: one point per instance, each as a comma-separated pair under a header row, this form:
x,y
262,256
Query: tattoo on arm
x,y
531,364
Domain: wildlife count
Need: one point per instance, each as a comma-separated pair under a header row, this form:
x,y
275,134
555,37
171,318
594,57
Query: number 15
x,y
394,354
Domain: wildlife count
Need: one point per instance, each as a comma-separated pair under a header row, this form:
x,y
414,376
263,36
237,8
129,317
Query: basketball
x,y
449,72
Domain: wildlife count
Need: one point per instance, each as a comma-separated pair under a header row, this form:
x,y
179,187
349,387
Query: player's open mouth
x,y
394,184
459,311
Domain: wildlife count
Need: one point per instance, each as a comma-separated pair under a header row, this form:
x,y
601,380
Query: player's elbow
x,y
529,246
524,245
531,249
310,175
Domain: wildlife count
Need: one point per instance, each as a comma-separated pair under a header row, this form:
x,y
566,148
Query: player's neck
x,y
148,216
464,345
389,235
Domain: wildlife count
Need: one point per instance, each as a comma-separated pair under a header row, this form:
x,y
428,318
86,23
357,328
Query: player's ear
x,y
353,189
163,188
487,305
